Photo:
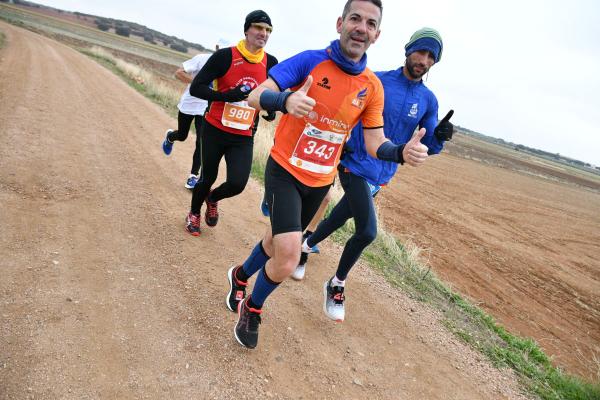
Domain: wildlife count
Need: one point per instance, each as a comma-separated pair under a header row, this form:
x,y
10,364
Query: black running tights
x,y
237,150
356,203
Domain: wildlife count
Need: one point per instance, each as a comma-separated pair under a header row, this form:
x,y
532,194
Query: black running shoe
x,y
211,217
237,289
246,329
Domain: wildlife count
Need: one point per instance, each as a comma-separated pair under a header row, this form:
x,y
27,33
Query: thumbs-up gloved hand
x,y
445,128
298,103
414,152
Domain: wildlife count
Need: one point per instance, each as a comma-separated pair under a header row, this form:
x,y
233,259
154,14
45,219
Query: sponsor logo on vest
x,y
333,124
324,83
248,81
359,101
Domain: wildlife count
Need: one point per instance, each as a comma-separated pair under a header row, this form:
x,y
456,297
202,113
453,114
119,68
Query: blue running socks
x,y
262,289
257,259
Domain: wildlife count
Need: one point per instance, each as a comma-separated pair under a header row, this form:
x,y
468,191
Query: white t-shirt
x,y
189,104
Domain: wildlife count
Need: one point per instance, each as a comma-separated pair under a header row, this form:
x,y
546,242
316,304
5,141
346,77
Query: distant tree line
x,y
555,156
22,3
127,29
526,149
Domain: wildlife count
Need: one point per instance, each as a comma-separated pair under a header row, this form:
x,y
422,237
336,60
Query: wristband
x,y
390,152
274,101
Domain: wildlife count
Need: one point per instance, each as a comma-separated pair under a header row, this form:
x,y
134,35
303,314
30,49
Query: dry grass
x,y
134,72
141,79
100,52
263,140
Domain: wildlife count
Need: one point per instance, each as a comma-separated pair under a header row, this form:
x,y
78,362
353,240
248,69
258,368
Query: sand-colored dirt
x,y
525,248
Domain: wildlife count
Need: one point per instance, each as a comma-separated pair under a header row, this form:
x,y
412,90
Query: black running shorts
x,y
292,204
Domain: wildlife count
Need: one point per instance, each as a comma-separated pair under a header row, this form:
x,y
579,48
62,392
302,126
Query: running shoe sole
x,y
196,234
229,278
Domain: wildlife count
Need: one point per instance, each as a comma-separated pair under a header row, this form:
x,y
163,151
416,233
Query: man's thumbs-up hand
x,y
298,103
414,152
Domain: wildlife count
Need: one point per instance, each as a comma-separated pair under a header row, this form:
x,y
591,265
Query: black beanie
x,y
257,16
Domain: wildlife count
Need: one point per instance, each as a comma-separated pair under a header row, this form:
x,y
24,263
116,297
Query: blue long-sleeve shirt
x,y
408,104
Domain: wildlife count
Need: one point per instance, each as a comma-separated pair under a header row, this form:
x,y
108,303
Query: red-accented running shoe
x,y
192,224
333,304
237,289
246,328
211,217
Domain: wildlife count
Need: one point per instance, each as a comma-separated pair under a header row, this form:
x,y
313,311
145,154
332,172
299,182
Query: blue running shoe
x,y
191,182
167,144
264,208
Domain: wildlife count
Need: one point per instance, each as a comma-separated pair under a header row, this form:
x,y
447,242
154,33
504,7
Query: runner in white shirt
x,y
190,108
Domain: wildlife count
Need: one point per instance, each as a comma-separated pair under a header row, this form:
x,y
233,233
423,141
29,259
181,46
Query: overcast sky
x,y
525,71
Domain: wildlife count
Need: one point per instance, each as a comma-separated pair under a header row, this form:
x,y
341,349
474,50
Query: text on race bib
x,y
238,115
316,150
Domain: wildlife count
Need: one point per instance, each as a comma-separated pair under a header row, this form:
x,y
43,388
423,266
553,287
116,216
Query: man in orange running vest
x,y
332,90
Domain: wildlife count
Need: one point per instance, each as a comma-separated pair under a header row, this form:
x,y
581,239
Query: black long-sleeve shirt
x,y
217,66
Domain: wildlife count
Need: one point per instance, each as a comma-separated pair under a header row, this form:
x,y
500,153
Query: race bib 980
x,y
238,115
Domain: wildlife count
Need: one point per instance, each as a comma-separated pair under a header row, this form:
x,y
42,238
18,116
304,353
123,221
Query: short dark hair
x,y
349,2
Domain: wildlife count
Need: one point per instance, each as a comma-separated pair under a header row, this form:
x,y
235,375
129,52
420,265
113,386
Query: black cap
x,y
255,17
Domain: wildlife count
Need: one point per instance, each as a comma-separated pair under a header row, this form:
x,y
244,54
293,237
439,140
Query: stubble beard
x,y
410,67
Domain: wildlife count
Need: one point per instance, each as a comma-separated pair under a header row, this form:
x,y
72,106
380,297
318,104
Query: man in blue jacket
x,y
408,104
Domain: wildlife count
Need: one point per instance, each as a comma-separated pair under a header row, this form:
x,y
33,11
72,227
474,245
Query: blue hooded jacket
x,y
408,104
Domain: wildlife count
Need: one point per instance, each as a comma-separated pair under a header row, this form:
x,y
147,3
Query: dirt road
x,y
103,295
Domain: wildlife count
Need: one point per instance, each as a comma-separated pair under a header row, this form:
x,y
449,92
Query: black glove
x,y
238,93
445,128
345,150
270,116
